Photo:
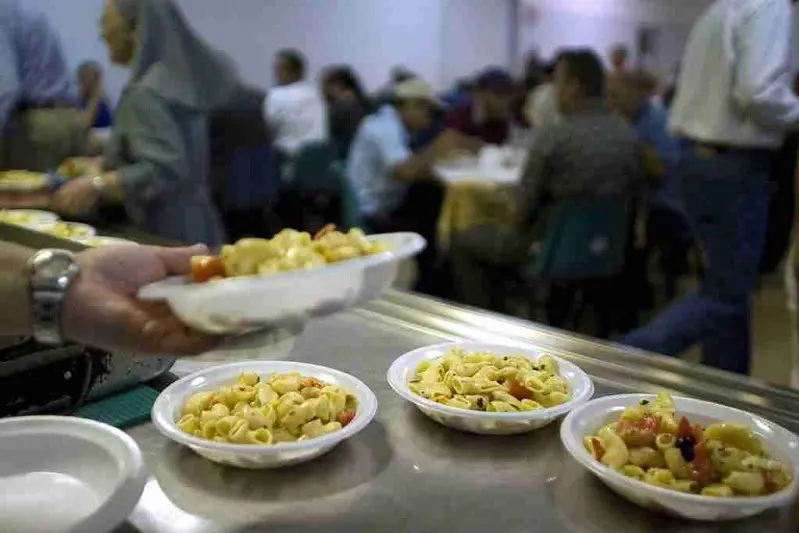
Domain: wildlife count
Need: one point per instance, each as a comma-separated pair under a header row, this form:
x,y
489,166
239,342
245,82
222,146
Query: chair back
x,y
313,168
585,238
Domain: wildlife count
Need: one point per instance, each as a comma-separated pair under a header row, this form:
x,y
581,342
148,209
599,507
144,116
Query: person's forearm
x,y
114,191
15,313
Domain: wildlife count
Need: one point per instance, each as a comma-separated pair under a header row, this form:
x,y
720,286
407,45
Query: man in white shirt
x,y
294,109
734,103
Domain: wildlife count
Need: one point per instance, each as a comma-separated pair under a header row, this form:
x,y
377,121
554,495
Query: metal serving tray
x,y
405,473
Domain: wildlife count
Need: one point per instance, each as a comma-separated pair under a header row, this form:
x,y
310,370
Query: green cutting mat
x,y
122,410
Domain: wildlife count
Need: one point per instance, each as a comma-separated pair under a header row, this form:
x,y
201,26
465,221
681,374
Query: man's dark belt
x,y
717,149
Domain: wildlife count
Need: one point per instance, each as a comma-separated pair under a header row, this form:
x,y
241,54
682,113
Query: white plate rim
x,y
129,487
176,285
576,450
540,414
169,428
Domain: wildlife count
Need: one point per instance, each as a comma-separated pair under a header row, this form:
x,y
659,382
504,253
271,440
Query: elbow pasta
x,y
281,408
722,460
288,250
482,381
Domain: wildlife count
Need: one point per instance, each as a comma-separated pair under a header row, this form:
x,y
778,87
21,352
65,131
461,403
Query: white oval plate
x,y
35,217
167,408
84,230
238,305
589,418
97,241
483,422
66,474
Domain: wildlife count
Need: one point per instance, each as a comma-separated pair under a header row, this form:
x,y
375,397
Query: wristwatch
x,y
52,273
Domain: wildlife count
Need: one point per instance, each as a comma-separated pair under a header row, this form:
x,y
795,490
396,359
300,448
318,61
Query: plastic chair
x,y
582,259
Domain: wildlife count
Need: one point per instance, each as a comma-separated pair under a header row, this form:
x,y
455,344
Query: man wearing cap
x,y
394,186
488,118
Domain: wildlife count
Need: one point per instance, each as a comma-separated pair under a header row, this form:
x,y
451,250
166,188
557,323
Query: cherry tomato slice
x,y
206,267
637,433
346,417
702,467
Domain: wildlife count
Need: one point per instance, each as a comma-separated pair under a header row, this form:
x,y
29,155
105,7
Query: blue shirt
x,y
33,68
380,144
650,126
103,116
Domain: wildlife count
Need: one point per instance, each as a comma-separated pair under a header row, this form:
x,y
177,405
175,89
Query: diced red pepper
x,y
518,391
637,433
701,466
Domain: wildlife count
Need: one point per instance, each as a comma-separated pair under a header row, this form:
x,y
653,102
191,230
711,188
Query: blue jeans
x,y
726,198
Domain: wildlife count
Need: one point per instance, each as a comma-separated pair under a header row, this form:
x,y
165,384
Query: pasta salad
x,y
722,460
288,250
280,408
483,381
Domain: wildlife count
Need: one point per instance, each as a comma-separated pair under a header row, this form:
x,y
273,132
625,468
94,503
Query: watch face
x,y
50,267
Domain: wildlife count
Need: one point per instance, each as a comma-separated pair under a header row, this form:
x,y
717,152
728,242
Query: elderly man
x,y
590,153
394,185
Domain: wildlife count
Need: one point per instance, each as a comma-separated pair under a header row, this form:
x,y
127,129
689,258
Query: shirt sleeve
x,y
156,147
762,43
392,149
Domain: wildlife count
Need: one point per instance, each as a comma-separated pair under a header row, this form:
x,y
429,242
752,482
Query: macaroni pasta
x,y
482,381
281,408
722,460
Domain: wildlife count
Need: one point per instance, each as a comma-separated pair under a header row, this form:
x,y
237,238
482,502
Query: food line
x,y
405,473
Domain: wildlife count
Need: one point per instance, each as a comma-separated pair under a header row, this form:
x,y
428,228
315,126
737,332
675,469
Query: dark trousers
x,y
418,213
726,198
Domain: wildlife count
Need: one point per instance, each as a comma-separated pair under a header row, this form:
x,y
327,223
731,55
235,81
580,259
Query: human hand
x,y
76,197
101,308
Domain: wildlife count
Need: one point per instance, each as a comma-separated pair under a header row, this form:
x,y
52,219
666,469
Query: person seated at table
x,y
347,105
295,111
590,153
488,117
541,108
393,185
629,94
40,122
92,94
157,158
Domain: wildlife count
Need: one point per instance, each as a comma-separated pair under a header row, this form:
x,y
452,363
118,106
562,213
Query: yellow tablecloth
x,y
473,203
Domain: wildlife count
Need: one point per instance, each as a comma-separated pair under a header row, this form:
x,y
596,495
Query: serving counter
x,y
407,473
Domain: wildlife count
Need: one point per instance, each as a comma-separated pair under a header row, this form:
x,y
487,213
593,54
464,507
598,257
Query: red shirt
x,y
462,119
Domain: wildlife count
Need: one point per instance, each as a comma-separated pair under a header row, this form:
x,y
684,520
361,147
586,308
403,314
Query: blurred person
x,y
671,90
590,153
394,186
541,108
398,74
92,94
295,111
488,118
667,230
347,105
40,122
733,103
157,159
619,59
95,303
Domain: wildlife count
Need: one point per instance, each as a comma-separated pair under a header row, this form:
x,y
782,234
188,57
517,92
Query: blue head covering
x,y
33,68
174,61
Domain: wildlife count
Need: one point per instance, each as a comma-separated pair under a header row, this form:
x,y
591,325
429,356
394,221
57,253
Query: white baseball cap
x,y
417,89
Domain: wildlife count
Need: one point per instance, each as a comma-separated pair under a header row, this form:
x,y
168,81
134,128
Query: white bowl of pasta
x,y
685,457
489,389
264,414
289,288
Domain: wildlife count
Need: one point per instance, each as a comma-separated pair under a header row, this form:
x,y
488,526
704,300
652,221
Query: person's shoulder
x,y
743,10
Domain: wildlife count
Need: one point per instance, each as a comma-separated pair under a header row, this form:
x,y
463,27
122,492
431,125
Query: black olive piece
x,y
644,402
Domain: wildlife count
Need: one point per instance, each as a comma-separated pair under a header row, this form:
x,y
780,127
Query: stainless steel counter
x,y
406,473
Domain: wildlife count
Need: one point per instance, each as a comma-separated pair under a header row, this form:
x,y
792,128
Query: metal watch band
x,y
51,273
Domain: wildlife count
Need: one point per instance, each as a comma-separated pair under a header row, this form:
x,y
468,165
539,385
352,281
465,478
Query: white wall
x,y
439,39
548,25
